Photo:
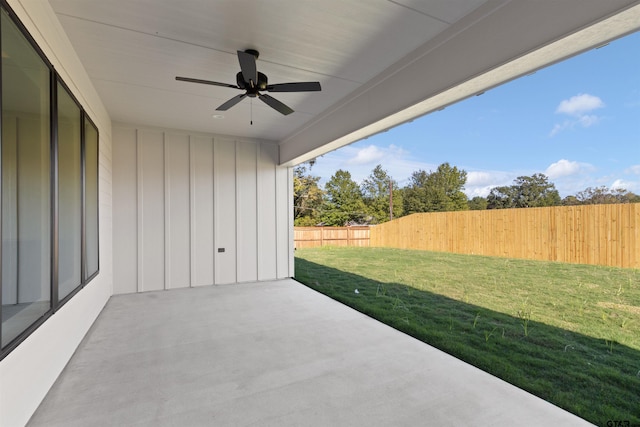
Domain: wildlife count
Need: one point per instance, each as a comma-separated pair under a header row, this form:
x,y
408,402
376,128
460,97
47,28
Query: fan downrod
x,y
252,52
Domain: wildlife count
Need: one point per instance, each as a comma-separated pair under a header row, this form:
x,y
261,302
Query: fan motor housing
x,y
260,85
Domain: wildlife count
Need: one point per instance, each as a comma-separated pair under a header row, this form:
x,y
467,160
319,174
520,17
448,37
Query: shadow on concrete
x,y
595,379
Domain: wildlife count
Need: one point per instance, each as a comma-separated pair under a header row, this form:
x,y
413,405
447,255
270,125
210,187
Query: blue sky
x,y
578,122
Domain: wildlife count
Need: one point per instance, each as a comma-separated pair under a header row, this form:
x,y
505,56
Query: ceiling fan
x,y
252,81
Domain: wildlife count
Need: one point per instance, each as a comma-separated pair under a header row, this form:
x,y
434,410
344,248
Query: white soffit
x,y
133,50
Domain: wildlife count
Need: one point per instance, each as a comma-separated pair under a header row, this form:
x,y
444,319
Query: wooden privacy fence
x,y
310,237
586,234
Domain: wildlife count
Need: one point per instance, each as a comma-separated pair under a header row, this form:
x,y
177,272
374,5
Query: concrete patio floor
x,y
270,354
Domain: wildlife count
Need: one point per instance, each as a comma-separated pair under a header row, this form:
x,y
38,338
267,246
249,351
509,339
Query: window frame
x,y
86,120
57,302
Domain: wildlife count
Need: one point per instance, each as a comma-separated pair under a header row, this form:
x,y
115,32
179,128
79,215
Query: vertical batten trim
x,y
258,168
215,212
276,204
192,222
277,207
235,182
275,213
213,206
167,214
139,213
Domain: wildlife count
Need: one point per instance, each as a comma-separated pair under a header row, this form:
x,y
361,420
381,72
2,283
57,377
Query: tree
x,y
602,195
343,202
375,190
633,198
478,203
307,197
415,194
526,192
502,197
570,201
438,191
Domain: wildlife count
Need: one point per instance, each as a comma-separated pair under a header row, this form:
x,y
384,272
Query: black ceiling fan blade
x,y
206,82
248,67
275,104
230,103
295,87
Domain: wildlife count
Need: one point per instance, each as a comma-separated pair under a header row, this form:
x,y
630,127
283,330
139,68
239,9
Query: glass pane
x,y
69,192
91,198
26,164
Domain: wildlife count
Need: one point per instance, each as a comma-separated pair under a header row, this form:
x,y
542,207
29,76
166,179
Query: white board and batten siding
x,y
196,210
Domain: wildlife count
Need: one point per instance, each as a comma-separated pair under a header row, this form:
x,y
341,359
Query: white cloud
x,y
588,120
480,183
559,127
570,176
562,167
477,178
633,170
360,161
367,155
633,186
618,183
579,105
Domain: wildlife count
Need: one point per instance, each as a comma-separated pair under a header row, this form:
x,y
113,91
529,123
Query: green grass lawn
x,y
567,333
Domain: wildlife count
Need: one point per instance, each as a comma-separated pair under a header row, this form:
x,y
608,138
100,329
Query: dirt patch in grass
x,y
633,309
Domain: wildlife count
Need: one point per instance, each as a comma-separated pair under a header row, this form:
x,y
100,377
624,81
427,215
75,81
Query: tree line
x,y
379,198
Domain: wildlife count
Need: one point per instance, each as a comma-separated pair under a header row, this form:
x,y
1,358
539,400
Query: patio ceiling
x,y
380,62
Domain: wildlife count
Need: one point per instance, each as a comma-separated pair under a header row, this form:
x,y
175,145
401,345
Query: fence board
x,y
311,237
585,234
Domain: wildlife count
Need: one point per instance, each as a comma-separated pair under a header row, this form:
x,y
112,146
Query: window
x,y
26,183
49,192
69,194
91,198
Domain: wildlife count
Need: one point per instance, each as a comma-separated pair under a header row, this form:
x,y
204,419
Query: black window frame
x,y
54,80
85,119
57,302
